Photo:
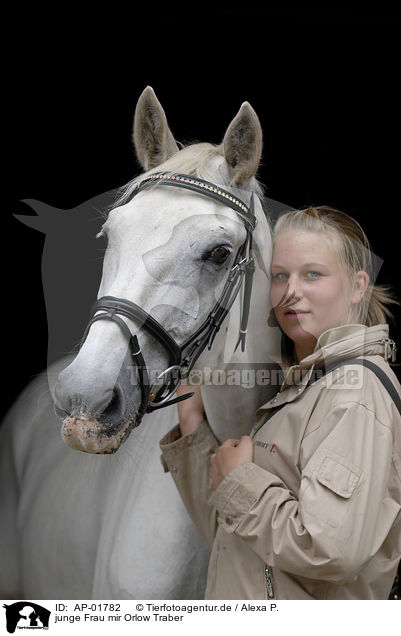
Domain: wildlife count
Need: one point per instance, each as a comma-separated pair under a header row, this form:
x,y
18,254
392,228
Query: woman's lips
x,y
294,314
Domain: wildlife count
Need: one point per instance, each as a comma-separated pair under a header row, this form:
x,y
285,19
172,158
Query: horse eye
x,y
218,255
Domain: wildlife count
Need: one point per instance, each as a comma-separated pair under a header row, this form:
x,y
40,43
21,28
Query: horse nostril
x,y
60,412
69,400
62,404
114,411
112,405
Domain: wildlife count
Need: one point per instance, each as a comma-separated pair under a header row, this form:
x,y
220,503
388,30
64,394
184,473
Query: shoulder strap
x,y
383,377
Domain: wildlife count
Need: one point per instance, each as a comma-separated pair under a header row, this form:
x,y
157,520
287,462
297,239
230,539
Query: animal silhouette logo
x,y
26,615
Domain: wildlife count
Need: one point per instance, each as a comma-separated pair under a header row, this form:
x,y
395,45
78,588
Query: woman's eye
x,y
218,255
313,274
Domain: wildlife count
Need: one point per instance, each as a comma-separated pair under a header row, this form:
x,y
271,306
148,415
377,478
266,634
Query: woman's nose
x,y
293,292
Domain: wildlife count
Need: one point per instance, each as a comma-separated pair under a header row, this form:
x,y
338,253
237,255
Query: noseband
x,y
181,358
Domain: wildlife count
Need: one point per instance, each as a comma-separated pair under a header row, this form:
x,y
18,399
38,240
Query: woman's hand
x,y
229,455
190,411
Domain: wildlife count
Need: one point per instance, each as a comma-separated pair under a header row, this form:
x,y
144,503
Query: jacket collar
x,y
335,344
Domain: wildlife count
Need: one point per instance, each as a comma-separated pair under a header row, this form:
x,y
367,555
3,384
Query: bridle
x,y
181,358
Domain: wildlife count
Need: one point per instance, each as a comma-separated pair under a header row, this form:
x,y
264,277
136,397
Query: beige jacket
x,y
317,514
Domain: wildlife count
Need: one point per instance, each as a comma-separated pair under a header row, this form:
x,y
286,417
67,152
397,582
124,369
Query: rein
x,y
181,358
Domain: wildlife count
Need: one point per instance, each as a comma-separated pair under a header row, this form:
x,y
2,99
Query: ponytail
x,y
379,299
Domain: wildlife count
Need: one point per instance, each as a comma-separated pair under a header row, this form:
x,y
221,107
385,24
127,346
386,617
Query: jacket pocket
x,y
327,489
338,476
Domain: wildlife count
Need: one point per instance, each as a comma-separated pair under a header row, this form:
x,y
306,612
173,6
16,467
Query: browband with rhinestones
x,y
205,187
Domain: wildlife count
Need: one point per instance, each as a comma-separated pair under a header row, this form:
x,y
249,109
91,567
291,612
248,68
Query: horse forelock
x,y
202,160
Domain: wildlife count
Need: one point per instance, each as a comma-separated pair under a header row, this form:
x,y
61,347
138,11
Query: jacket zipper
x,y
268,582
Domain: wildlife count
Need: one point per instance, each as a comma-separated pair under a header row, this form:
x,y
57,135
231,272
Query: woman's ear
x,y
360,286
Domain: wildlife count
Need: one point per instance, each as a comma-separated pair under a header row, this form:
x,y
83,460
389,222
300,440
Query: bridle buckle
x,y
171,392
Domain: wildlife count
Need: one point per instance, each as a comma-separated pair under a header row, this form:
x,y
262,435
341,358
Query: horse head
x,y
169,253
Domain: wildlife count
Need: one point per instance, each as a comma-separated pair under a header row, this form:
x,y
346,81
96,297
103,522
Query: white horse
x,y
105,525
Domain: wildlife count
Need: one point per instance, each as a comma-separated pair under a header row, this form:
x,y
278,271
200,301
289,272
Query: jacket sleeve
x,y
187,458
342,514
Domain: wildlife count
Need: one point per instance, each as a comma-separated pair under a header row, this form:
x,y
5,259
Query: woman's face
x,y
309,291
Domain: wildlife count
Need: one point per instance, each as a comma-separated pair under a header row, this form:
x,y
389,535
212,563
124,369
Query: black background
x,y
322,82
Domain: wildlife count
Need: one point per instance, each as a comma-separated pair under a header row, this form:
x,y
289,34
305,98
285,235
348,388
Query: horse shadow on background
x,y
71,266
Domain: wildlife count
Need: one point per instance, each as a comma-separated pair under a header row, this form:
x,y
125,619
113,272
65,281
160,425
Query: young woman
x,y
309,505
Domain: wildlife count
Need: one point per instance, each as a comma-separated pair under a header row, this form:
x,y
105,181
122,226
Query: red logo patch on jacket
x,y
270,447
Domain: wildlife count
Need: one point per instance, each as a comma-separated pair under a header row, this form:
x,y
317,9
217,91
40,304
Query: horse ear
x,y
153,140
242,145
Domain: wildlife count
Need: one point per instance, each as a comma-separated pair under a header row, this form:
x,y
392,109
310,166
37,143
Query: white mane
x,y
203,160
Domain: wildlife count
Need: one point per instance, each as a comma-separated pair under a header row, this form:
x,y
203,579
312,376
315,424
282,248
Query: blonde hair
x,y
352,248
